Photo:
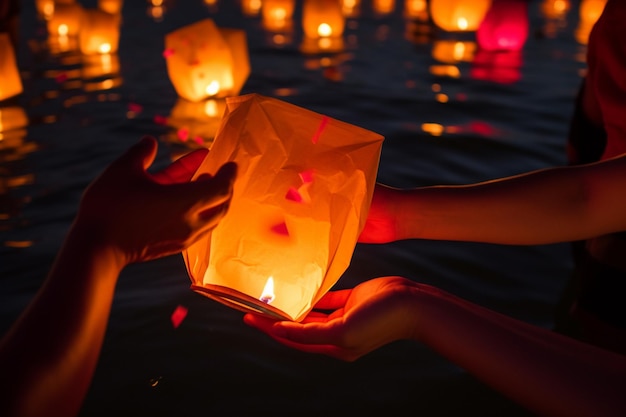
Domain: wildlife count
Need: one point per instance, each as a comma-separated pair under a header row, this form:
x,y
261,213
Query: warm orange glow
x,y
111,6
322,18
383,7
555,9
459,15
62,29
451,52
309,180
251,7
589,13
434,129
350,8
10,80
104,48
66,19
267,296
206,61
416,9
157,3
45,8
99,32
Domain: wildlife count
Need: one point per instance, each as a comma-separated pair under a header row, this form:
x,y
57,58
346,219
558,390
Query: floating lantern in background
x,y
555,9
308,180
589,13
351,8
277,15
323,24
452,51
99,32
505,26
111,6
204,61
45,9
251,7
383,7
66,20
458,15
416,9
10,80
196,123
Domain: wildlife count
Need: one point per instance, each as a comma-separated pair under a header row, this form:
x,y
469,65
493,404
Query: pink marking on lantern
x,y
178,316
293,195
168,53
280,229
198,140
320,129
306,176
160,120
183,134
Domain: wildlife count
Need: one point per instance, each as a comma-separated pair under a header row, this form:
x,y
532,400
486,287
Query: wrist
x,y
90,239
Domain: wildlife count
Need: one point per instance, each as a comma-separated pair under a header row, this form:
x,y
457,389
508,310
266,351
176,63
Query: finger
x,y
333,300
183,169
145,152
214,191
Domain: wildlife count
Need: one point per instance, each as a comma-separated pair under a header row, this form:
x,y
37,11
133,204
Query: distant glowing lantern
x,y
277,15
383,7
304,186
458,15
45,8
204,61
195,123
111,6
555,9
589,13
505,26
322,19
99,32
351,8
251,7
10,81
416,9
66,20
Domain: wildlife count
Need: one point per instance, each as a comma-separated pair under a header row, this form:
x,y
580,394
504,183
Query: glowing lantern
x,y
10,81
66,20
350,8
505,26
416,9
589,13
555,9
99,32
45,8
458,15
451,51
111,6
277,15
13,120
383,7
204,61
322,19
251,7
300,201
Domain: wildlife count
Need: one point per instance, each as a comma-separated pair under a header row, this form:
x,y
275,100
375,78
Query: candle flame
x,y
324,30
267,296
63,29
104,48
462,23
213,88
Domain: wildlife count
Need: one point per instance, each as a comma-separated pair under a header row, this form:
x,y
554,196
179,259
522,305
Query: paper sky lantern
x,y
251,7
322,19
589,13
45,8
458,15
99,32
301,197
383,7
416,9
66,20
10,81
555,9
111,6
277,15
351,8
204,61
505,26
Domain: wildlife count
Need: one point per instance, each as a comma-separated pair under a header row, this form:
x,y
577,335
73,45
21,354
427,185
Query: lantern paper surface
x,y
458,15
204,61
10,81
99,32
304,186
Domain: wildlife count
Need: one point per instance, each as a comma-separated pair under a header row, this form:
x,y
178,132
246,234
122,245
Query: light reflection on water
x,y
451,112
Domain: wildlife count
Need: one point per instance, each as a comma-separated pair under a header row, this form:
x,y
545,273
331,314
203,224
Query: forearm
x,y
533,366
48,357
542,207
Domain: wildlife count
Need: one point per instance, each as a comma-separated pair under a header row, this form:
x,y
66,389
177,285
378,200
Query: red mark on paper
x,y
160,120
198,140
183,134
168,53
280,229
320,129
307,176
293,195
178,316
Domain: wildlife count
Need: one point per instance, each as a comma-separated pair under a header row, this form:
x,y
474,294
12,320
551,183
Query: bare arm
x,y
545,372
126,215
546,206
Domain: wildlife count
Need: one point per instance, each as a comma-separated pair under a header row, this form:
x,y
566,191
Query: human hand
x,y
372,314
382,220
144,216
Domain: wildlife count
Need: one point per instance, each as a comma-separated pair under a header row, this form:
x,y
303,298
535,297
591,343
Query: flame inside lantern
x,y
267,296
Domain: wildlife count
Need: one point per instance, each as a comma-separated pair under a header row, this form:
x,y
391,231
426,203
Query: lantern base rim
x,y
240,301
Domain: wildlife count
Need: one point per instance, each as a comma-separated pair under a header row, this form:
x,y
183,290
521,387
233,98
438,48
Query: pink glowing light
x,y
306,176
160,120
61,78
134,107
294,195
168,53
320,129
178,316
280,229
183,134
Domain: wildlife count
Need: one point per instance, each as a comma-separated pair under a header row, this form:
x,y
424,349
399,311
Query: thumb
x,y
141,155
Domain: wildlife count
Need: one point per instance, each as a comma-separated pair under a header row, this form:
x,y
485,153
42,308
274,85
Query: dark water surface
x,y
512,118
